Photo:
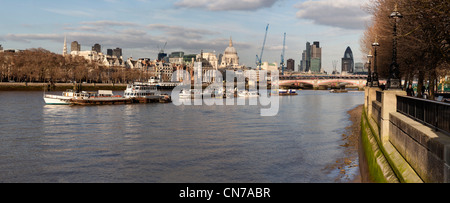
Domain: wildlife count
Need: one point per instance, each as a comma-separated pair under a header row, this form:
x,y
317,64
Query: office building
x,y
312,58
347,62
117,52
290,65
75,46
97,48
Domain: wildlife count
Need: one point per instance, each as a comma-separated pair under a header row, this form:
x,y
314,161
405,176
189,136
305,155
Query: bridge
x,y
317,81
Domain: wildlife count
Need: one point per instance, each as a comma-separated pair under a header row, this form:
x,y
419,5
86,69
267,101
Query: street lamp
x,y
375,81
394,72
369,75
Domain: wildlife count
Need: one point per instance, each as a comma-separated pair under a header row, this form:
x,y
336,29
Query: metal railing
x,y
431,113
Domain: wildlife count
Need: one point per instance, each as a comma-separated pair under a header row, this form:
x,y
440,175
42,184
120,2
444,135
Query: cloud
x,y
346,14
27,38
107,23
226,5
179,31
69,12
178,38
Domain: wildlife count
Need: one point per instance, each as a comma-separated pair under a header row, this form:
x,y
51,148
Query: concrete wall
x,y
427,151
376,112
413,152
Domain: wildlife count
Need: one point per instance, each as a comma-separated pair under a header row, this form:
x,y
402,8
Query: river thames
x,y
165,143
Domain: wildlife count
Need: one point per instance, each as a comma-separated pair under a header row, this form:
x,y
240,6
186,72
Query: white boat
x,y
219,93
84,98
216,93
63,99
142,90
185,94
246,93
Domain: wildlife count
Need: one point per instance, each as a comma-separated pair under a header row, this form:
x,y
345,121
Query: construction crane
x,y
161,50
282,55
258,59
161,53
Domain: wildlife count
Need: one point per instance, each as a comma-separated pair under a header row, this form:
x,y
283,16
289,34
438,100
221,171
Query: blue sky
x,y
140,26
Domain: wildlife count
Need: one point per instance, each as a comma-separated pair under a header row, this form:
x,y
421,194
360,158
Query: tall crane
x,y
282,55
161,53
258,59
161,49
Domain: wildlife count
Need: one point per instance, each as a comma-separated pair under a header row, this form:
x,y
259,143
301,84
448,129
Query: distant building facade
x,y
208,59
113,57
75,46
97,48
176,58
290,65
117,52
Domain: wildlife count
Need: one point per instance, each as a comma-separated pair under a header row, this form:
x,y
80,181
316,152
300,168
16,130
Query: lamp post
x,y
369,74
375,81
394,72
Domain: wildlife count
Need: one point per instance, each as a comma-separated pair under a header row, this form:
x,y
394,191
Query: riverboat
x,y
145,93
101,97
63,99
71,97
338,91
246,93
190,94
288,92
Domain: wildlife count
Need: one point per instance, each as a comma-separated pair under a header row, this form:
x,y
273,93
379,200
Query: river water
x,y
167,143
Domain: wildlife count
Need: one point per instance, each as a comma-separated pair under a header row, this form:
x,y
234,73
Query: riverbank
x,y
353,165
23,86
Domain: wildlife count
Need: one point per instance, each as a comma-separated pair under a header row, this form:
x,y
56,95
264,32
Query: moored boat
x,y
145,93
63,99
246,93
338,91
287,92
71,97
101,97
284,92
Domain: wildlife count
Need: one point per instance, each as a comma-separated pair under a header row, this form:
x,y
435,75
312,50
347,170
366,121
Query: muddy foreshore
x,y
352,166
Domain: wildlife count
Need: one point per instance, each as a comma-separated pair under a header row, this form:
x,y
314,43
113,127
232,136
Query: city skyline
x,y
139,27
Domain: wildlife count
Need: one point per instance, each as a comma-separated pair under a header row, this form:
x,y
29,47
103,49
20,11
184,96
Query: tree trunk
x,y
420,86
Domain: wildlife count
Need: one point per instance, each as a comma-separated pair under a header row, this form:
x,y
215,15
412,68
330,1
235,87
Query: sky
x,y
141,27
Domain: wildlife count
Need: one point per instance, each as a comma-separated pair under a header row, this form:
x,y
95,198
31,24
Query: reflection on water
x,y
168,143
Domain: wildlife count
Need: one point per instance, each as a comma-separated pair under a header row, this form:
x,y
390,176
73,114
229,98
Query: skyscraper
x,y
311,58
290,65
97,48
347,62
316,58
75,46
117,52
308,57
109,52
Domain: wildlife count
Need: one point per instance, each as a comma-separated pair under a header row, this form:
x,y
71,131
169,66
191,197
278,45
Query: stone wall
x,y
413,151
427,151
